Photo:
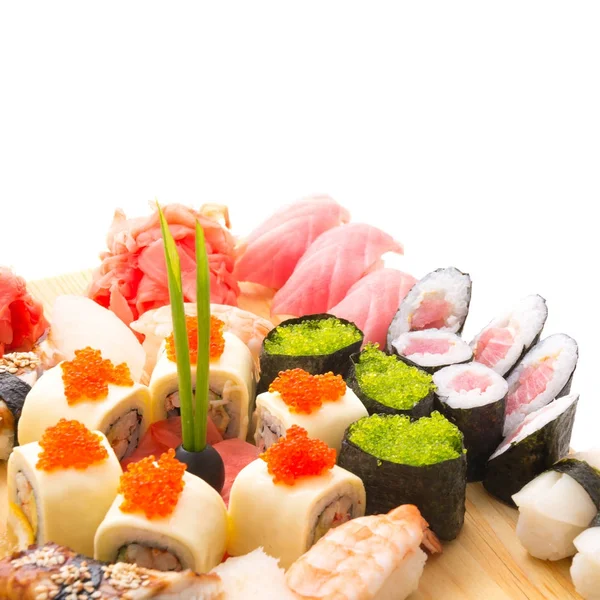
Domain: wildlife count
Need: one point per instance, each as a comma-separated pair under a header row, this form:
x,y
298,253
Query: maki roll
x,y
24,365
545,373
473,398
541,440
438,301
231,380
297,494
431,349
585,569
387,385
92,390
558,505
163,519
13,392
320,404
63,496
316,343
402,462
502,343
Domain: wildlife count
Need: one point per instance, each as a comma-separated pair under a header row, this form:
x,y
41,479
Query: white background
x,y
470,131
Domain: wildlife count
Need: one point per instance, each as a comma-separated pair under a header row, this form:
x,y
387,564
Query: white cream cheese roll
x,y
193,537
231,388
286,520
64,506
327,423
123,416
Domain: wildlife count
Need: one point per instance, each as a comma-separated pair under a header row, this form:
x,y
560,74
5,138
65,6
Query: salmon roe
x,y
296,455
87,376
70,445
217,341
152,487
305,393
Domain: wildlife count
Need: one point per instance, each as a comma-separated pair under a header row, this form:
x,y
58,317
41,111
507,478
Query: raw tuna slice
x,y
334,262
236,454
372,302
272,251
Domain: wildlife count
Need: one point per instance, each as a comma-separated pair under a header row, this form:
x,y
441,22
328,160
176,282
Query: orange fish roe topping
x,y
305,393
151,486
87,376
296,455
217,341
70,445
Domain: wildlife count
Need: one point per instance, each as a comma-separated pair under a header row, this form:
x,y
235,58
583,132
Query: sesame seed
x,y
42,596
96,595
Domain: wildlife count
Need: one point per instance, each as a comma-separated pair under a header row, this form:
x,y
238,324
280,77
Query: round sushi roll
x,y
541,440
438,301
473,397
317,343
432,349
585,569
13,392
545,373
419,462
503,341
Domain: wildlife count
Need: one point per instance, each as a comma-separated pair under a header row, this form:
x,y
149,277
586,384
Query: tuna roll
x,y
163,519
13,392
432,349
502,343
473,398
24,365
316,343
585,569
297,494
320,404
541,440
545,373
438,301
402,462
387,385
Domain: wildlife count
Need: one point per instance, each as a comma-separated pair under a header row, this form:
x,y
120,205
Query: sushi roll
x,y
13,392
473,398
431,349
24,365
297,494
385,384
95,392
585,569
438,301
231,380
503,341
558,505
541,440
545,373
316,343
402,462
321,404
63,496
163,519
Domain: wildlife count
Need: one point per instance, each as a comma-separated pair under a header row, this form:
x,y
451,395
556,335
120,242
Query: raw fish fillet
x,y
272,251
468,380
372,302
333,263
532,383
493,345
425,346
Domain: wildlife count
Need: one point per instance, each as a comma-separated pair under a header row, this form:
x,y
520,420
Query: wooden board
x,y
486,561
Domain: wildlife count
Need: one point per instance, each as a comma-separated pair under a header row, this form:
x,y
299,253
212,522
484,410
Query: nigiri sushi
x,y
585,569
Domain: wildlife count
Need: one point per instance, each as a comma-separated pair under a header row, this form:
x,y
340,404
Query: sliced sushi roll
x,y
558,505
297,494
163,519
503,341
473,397
432,349
386,385
321,404
585,569
64,496
402,462
541,440
438,301
24,365
545,373
317,343
13,392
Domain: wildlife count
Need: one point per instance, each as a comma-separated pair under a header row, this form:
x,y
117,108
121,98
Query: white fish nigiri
x,y
585,569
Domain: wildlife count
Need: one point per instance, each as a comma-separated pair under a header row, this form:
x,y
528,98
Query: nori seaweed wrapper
x,y
338,362
596,521
584,474
523,461
430,370
13,391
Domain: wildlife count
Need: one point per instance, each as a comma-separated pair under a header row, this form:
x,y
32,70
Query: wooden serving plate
x,y
486,561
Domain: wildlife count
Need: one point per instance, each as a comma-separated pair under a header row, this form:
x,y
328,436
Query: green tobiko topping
x,y
389,381
394,438
312,337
